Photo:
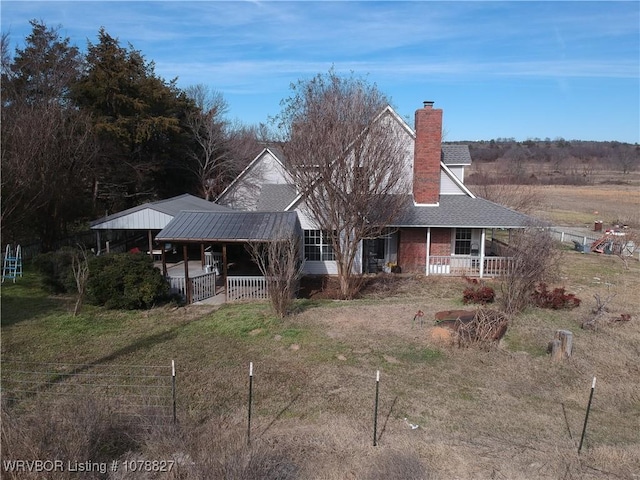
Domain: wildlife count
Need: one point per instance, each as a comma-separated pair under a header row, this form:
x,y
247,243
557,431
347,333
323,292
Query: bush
x,y
128,281
534,258
478,293
56,271
557,299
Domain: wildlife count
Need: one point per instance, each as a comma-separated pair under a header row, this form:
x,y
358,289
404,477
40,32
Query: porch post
x,y
187,283
150,238
224,271
428,250
98,251
482,240
202,255
164,262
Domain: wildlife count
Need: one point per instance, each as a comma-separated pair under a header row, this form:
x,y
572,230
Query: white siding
x,y
245,193
320,268
448,185
458,171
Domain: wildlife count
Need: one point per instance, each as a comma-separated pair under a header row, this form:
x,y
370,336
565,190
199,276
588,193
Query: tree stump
x,y
562,345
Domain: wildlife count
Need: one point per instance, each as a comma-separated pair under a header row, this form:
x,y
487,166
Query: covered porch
x,y
467,252
213,264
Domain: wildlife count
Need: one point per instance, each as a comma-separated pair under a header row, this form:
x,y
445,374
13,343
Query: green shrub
x,y
55,269
128,281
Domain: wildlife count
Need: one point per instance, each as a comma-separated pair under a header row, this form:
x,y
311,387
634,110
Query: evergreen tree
x,y
139,118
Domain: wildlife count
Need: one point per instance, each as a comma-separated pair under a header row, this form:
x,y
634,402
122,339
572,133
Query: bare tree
x,y
535,258
347,158
80,267
279,261
523,198
207,126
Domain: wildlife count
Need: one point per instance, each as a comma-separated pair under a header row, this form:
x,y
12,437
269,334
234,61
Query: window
x,y
463,241
317,246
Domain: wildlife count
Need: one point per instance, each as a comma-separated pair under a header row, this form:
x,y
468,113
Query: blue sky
x,y
497,69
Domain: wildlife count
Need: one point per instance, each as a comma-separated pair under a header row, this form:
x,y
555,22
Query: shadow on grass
x,y
26,300
386,420
304,304
19,309
281,413
142,343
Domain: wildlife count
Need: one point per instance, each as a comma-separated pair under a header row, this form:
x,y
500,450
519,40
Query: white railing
x,y
577,238
177,286
468,266
202,286
247,288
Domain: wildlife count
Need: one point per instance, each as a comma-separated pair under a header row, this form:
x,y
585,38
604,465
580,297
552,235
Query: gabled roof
x,y
461,211
275,152
154,215
275,197
456,155
233,226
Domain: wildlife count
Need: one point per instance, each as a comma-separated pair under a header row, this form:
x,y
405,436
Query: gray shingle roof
x,y
231,226
275,197
169,206
456,155
461,211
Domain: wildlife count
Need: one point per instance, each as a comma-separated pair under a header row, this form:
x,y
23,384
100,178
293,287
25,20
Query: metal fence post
x,y
586,417
250,399
173,388
375,410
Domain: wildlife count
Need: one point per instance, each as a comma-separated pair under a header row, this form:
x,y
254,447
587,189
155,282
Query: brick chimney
x,y
427,154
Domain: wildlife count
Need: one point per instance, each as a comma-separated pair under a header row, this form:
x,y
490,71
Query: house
x,y
444,229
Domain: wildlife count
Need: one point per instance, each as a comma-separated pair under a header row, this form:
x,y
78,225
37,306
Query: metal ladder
x,y
12,265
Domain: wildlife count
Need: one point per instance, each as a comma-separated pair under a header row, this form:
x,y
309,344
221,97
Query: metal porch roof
x,y
154,215
232,226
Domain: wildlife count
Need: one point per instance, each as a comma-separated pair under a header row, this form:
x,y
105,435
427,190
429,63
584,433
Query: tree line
x,y
547,161
84,134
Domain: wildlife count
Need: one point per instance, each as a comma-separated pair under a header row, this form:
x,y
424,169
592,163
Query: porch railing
x,y
247,288
202,286
468,266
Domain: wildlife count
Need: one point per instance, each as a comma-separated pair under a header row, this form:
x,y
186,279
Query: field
x,y
509,412
582,206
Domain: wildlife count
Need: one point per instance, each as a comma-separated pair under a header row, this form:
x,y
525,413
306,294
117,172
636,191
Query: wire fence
x,y
147,392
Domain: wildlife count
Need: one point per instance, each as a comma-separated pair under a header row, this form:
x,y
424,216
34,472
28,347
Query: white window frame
x,y
324,245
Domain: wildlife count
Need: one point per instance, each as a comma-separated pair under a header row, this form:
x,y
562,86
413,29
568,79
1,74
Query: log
x,y
562,345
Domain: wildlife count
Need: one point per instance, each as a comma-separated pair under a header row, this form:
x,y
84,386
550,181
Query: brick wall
x,y
440,242
412,250
427,155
